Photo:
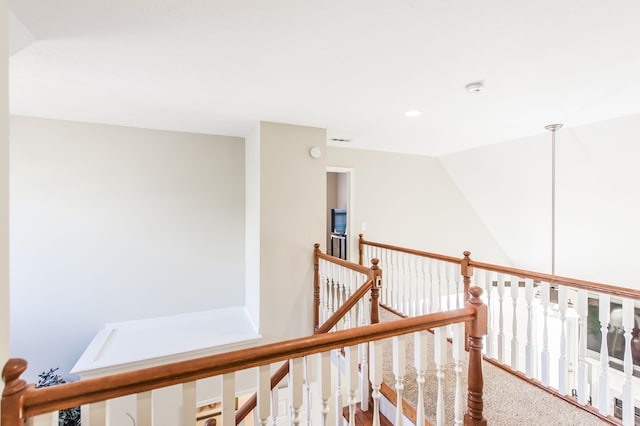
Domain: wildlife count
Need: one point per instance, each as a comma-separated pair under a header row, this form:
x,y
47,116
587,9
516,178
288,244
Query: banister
x,y
555,279
346,307
420,253
552,279
344,263
44,400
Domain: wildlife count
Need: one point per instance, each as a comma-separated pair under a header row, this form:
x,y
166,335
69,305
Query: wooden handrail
x,y
344,263
346,307
556,279
33,401
420,253
523,273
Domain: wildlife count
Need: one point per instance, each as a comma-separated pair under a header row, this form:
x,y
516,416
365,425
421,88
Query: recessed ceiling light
x,y
413,113
475,87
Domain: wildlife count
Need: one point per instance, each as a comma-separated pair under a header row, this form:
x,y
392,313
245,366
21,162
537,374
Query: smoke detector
x,y
475,87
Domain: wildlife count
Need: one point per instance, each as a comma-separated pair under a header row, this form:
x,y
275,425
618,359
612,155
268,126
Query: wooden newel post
x,y
467,272
477,329
360,249
376,274
316,286
14,388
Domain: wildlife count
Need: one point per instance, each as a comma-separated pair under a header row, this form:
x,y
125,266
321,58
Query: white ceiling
x,y
353,67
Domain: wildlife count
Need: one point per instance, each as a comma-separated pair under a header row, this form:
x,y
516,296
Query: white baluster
x,y
515,347
49,419
458,358
189,403
338,399
627,389
351,358
375,375
501,340
263,404
440,358
528,350
228,398
582,310
420,363
98,414
296,381
562,361
402,281
399,369
413,298
488,284
363,348
324,375
144,409
274,406
545,358
603,380
422,286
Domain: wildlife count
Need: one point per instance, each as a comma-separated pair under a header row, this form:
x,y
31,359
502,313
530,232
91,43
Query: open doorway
x,y
339,212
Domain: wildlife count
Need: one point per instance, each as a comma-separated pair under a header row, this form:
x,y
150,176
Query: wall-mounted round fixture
x,y
315,152
475,87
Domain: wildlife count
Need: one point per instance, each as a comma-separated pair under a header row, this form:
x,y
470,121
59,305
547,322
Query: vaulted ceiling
x,y
353,67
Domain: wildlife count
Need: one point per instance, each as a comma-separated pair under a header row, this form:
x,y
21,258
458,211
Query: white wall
x,y
411,201
252,225
598,202
293,202
112,223
4,184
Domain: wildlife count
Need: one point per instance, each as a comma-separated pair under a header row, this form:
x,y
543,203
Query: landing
x,y
126,345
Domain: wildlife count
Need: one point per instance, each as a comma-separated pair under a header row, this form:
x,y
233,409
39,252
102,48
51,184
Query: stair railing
x,y
22,403
339,302
577,339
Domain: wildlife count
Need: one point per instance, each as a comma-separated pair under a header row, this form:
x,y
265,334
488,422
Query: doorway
x,y
339,211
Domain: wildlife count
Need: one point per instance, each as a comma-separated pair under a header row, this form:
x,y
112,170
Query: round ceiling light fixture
x,y
475,87
412,113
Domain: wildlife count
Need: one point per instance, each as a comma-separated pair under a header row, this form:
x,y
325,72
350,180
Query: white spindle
x,y
562,361
98,414
228,398
144,409
274,406
458,358
420,363
325,386
375,375
545,358
363,348
413,299
296,381
488,283
351,361
399,369
582,310
603,380
431,287
422,286
189,403
440,358
515,347
338,398
528,349
501,340
627,393
263,403
49,419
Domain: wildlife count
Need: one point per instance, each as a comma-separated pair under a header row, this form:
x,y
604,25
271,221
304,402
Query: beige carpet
x,y
508,400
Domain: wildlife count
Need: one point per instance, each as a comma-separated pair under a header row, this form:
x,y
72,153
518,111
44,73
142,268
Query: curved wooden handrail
x,y
420,253
44,400
555,279
344,263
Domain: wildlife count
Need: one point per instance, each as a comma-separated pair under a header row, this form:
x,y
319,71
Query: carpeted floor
x,y
508,400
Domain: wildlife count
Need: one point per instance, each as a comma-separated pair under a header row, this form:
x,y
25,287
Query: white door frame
x,y
352,234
